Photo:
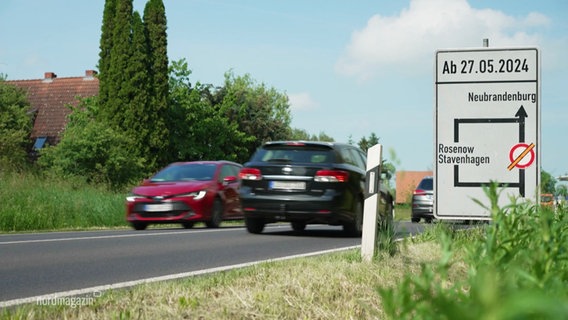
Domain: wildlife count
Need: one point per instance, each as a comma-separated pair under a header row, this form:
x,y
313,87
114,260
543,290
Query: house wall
x,y
406,182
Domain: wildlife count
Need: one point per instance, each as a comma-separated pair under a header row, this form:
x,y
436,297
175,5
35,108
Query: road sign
x,y
487,120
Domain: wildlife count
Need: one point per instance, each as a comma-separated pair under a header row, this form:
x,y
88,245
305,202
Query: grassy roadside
x,y
335,286
33,203
514,268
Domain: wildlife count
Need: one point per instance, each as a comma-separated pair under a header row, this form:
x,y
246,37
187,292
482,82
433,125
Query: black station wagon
x,y
305,183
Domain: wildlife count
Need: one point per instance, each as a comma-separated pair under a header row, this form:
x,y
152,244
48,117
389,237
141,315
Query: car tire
x,y
254,225
355,228
139,225
216,214
187,225
298,226
415,220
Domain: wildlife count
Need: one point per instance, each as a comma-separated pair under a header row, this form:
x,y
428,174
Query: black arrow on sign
x,y
521,114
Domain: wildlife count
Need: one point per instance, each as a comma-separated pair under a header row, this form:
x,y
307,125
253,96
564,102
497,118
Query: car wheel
x,y
139,225
415,220
355,228
298,226
216,214
187,225
254,225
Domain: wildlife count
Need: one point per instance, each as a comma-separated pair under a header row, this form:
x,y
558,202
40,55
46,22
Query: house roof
x,y
50,96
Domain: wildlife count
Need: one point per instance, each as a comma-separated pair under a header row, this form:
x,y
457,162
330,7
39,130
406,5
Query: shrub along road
x,y
45,263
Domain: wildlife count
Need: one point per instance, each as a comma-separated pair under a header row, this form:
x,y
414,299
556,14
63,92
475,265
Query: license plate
x,y
287,185
159,207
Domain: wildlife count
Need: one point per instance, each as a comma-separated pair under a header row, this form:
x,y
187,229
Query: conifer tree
x,y
106,43
119,71
155,23
137,113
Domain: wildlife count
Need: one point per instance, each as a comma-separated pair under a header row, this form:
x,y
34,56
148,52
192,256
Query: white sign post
x,y
371,208
487,123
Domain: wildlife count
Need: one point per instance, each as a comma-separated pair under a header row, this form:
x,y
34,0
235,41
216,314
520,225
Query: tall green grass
x,y
517,269
32,202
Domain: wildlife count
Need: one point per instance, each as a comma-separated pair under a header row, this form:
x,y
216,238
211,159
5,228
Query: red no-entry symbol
x,y
518,156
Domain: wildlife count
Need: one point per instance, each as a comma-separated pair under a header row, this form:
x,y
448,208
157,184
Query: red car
x,y
187,192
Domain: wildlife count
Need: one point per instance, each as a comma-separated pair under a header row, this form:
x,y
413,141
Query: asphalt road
x,y
45,263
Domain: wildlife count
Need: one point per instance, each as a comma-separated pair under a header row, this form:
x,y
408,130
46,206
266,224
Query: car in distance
x,y
547,200
186,193
305,183
423,200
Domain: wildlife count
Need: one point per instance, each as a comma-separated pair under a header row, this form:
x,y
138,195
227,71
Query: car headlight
x,y
132,197
195,195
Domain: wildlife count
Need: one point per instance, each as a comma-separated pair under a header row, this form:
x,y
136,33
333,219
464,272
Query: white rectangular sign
x,y
487,123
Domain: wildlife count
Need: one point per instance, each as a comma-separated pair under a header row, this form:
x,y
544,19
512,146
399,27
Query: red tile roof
x,y
50,96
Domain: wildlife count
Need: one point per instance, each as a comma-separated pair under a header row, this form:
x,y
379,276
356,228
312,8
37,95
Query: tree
x,y
115,83
134,79
387,168
93,151
301,134
547,182
15,125
365,143
155,24
198,129
106,44
262,113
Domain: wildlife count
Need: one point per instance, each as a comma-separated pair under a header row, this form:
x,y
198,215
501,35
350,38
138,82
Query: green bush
x,y
518,269
15,126
93,151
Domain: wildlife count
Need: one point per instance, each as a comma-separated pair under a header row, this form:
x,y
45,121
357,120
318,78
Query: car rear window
x,y
287,153
426,184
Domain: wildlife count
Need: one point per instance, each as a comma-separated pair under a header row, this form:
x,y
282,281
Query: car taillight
x,y
419,192
331,176
250,174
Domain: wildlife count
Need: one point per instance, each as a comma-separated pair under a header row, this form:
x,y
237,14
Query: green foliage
x,y
562,190
134,77
93,150
106,44
262,113
364,144
199,131
301,134
387,168
518,269
547,182
15,126
35,202
155,25
116,82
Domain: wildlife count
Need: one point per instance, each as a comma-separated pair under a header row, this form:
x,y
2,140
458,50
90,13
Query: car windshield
x,y
294,154
186,172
